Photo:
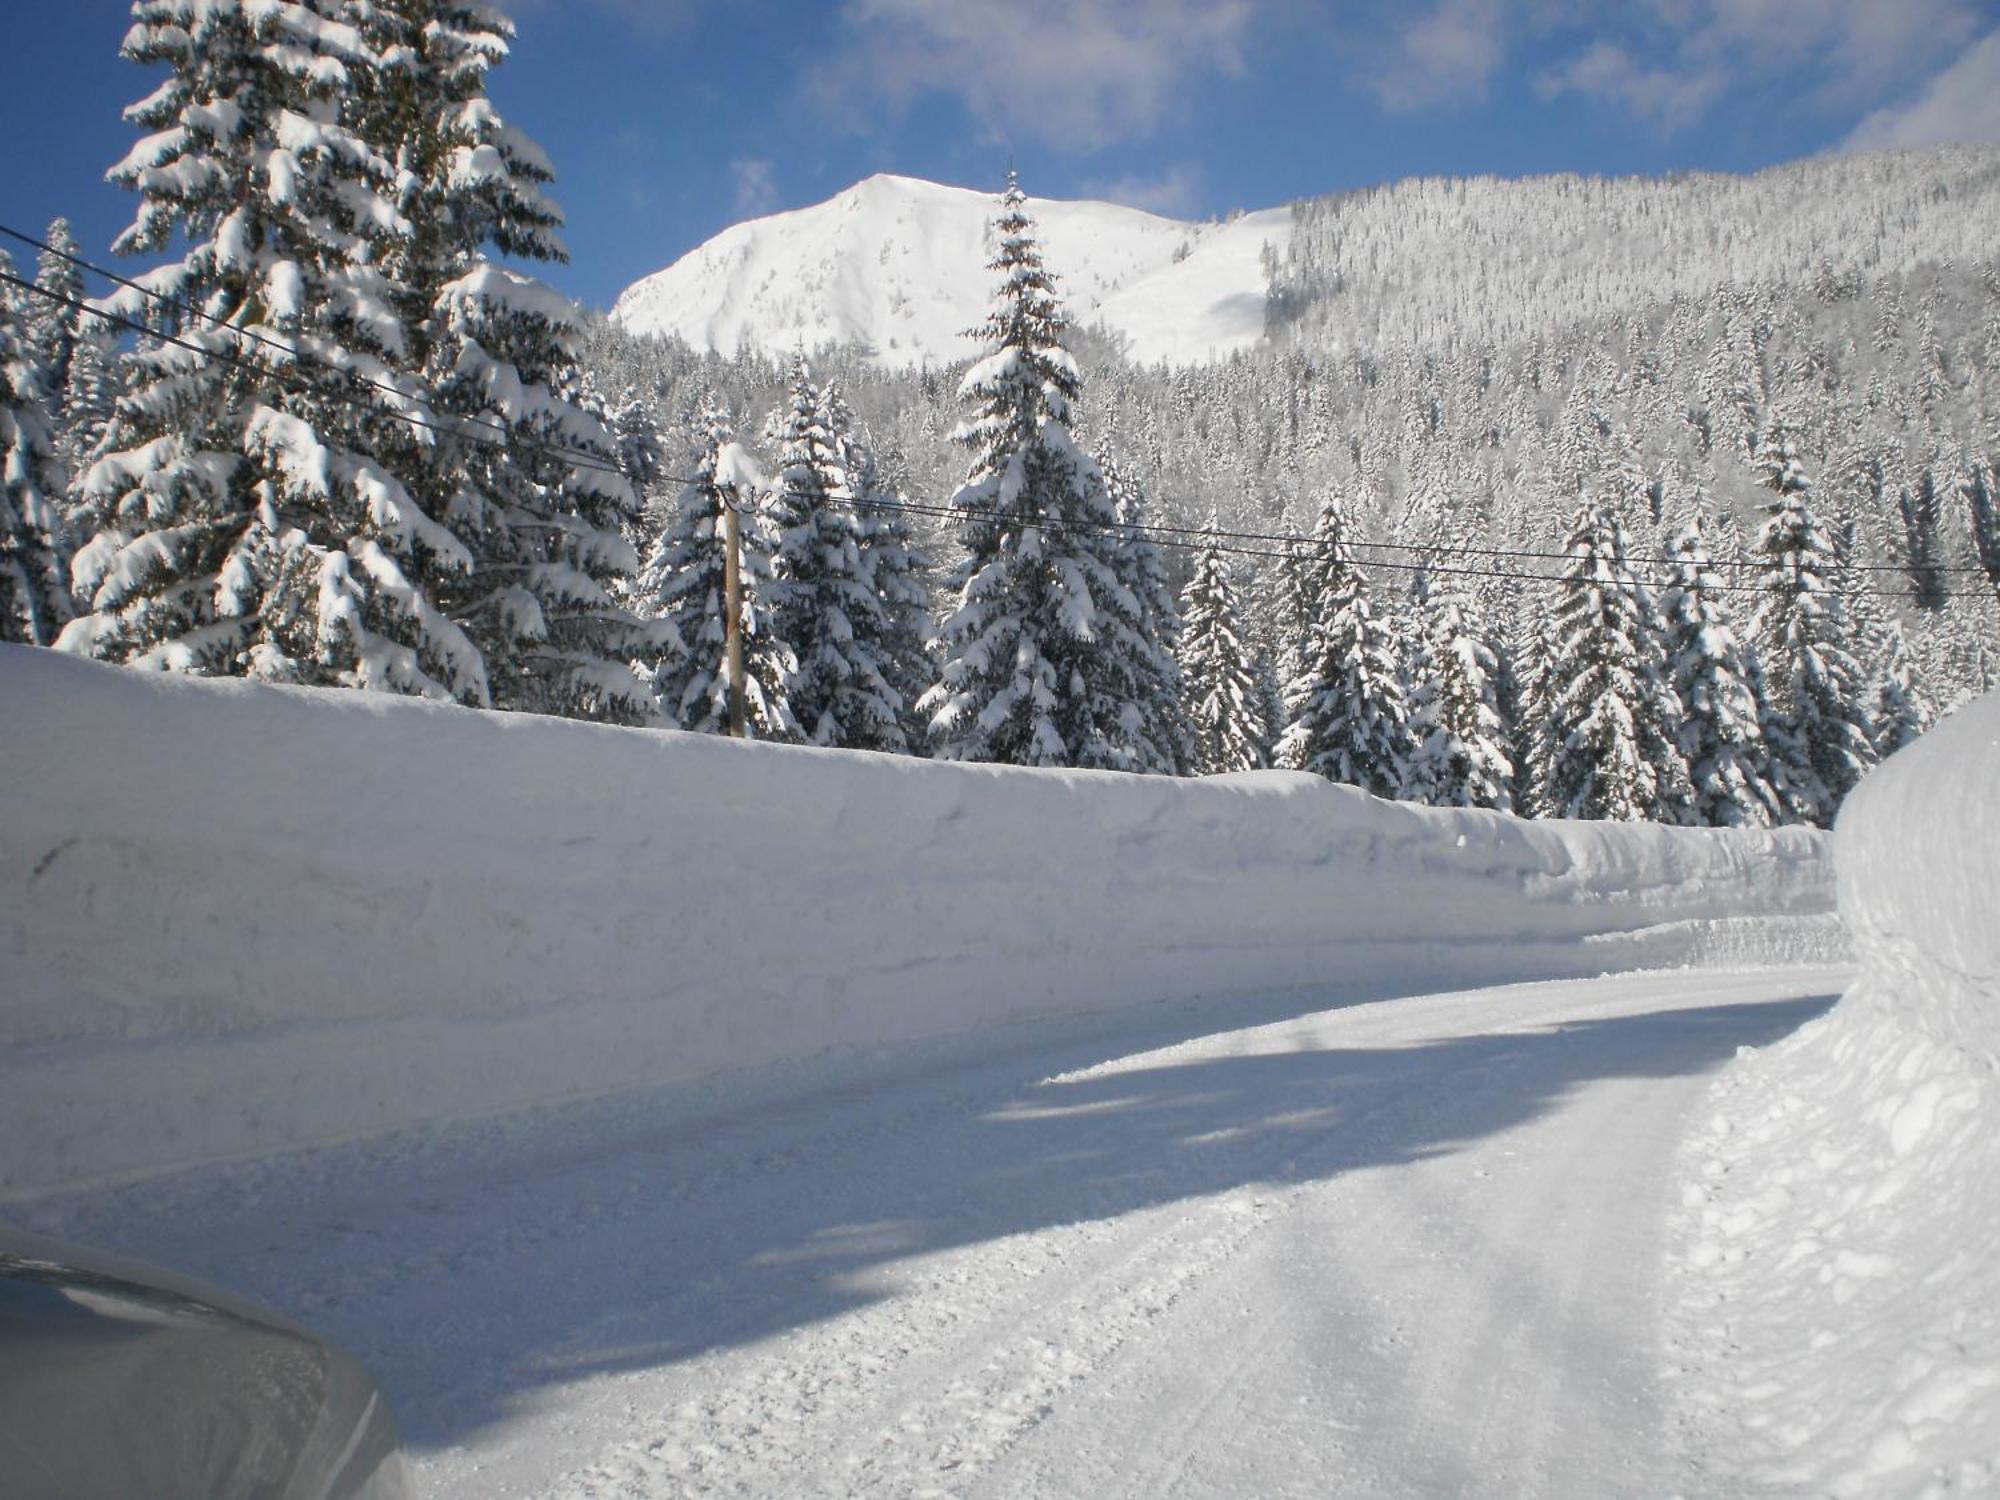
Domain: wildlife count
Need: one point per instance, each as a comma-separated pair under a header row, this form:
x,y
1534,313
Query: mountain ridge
x,y
899,264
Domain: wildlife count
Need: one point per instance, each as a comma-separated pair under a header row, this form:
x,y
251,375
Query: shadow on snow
x,y
473,1267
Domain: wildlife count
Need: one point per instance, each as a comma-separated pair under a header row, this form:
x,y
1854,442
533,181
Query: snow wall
x,y
238,918
1841,1224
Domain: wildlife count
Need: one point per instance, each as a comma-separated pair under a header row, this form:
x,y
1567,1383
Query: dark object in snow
x,y
119,1379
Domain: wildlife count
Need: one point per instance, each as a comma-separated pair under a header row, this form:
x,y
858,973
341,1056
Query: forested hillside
x,y
1468,366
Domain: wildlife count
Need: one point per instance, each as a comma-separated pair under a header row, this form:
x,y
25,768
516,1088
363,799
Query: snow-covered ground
x,y
261,918
1838,1315
1270,1247
900,264
663,1116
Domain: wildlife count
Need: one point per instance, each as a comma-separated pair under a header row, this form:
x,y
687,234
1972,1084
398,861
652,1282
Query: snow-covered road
x,y
1411,1247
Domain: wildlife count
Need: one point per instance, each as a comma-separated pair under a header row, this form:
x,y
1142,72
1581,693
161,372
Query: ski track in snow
x,y
1411,1247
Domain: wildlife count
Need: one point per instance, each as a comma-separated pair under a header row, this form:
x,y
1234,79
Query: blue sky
x,y
670,119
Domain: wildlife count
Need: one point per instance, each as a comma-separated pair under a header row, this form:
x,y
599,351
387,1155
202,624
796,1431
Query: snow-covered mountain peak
x,y
900,264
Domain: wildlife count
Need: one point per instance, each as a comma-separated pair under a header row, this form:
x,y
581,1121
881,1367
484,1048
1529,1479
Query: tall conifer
x,y
1818,725
1219,689
1613,719
1349,719
1031,671
229,510
683,587
34,586
1718,686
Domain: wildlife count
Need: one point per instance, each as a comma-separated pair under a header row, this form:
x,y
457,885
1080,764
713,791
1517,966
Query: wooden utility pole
x,y
732,603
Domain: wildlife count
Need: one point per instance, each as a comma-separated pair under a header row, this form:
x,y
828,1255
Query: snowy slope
x,y
258,918
1840,1314
900,264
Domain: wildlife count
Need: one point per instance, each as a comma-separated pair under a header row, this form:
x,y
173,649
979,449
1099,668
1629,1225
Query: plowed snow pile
x,y
1840,1326
237,918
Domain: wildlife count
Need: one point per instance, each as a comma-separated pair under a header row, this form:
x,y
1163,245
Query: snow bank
x,y
237,918
1840,1323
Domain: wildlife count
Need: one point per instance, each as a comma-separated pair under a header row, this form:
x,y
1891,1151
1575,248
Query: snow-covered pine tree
x,y
1296,609
1819,732
1722,724
1163,740
1270,705
34,583
1219,689
1613,719
1030,673
242,523
90,397
823,604
55,321
894,564
635,427
1898,711
1349,720
1982,501
1461,758
1525,690
683,587
524,482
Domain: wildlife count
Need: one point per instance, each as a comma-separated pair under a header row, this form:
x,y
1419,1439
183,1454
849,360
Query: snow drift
x,y
237,918
1841,1319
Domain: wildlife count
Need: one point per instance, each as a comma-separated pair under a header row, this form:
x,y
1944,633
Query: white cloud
x,y
1669,61
1448,53
1666,98
1075,73
1959,105
756,186
1175,193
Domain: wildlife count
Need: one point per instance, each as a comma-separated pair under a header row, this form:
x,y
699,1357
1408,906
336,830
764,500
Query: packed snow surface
x,y
1281,1247
1839,1310
262,918
900,265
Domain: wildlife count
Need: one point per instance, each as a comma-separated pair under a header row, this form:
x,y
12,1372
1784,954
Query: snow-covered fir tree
x,y
1035,650
1219,689
1613,718
522,481
642,451
683,587
1295,600
1897,710
1349,718
241,523
1718,685
34,583
57,321
1524,685
897,567
1462,756
1818,724
90,397
823,603
1162,743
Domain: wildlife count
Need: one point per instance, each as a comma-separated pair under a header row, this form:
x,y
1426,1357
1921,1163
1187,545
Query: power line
x,y
1467,550
1188,538
1303,547
581,457
587,459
